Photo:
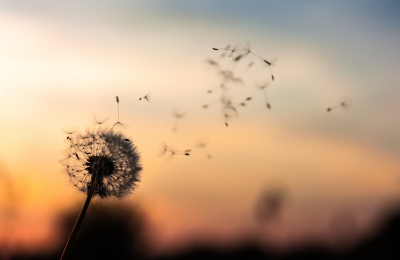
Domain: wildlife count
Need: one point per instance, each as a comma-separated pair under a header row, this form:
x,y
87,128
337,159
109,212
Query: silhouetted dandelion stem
x,y
78,224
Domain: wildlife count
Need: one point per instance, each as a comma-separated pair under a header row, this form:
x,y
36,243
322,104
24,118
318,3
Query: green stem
x,y
77,225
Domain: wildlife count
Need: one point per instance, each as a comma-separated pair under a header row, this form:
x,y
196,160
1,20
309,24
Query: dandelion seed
x,y
177,116
100,162
118,123
272,75
263,89
248,66
118,107
202,145
98,121
69,132
172,152
247,50
229,76
212,62
244,102
221,86
228,48
222,55
238,58
228,106
210,104
346,104
147,97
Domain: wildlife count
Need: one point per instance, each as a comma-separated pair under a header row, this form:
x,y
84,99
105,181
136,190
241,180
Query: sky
x,y
62,63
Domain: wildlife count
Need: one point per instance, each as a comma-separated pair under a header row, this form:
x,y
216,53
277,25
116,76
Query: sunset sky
x,y
62,63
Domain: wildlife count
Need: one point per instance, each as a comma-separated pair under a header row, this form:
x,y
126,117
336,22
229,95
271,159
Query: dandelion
x,y
100,162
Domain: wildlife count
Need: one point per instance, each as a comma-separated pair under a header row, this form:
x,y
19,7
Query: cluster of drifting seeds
x,y
230,77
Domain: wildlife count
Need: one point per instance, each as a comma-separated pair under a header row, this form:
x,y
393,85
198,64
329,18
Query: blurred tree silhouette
x,y
110,231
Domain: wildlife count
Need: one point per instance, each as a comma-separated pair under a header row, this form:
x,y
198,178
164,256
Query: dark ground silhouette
x,y
115,231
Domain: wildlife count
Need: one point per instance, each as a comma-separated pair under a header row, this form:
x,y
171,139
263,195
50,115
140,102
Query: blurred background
x,y
290,180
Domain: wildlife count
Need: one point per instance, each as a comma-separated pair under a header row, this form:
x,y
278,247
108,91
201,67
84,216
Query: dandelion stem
x,y
78,224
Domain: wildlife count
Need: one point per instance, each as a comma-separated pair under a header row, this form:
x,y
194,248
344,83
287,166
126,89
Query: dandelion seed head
x,y
102,161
